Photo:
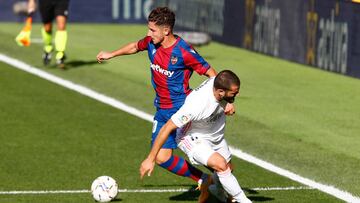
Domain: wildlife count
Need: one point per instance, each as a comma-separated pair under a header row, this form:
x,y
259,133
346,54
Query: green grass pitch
x,y
300,118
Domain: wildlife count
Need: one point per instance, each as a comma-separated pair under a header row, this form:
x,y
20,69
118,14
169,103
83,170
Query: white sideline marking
x,y
281,188
36,40
343,195
78,88
33,192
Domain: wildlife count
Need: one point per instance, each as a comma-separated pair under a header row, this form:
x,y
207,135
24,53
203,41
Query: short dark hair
x,y
225,79
162,16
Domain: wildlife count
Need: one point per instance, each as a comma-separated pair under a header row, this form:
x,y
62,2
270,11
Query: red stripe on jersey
x,y
162,86
161,90
143,43
191,61
187,75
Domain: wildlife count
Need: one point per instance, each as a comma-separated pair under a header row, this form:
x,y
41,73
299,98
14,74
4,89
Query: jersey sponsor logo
x,y
157,68
173,60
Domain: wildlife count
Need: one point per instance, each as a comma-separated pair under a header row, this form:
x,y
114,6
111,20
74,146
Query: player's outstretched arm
x,y
147,166
130,48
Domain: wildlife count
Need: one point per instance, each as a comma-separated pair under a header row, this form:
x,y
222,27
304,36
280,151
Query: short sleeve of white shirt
x,y
186,113
195,104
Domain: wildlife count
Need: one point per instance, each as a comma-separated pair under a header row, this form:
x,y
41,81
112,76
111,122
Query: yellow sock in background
x,y
47,38
60,43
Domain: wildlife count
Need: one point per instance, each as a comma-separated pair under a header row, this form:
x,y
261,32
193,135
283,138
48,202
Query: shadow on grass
x,y
192,194
117,200
74,64
170,185
260,198
257,198
80,63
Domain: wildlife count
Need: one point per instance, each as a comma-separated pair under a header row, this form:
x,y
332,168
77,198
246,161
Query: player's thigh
x,y
160,118
217,162
197,150
163,155
223,149
170,143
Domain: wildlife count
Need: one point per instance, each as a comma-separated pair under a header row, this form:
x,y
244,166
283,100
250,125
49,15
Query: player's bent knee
x,y
217,162
163,156
221,167
160,160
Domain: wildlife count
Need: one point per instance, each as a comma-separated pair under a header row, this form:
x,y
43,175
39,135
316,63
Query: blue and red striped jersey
x,y
171,69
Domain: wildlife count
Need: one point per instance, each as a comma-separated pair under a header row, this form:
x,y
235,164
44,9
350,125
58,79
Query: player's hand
x,y
147,166
229,109
31,6
103,55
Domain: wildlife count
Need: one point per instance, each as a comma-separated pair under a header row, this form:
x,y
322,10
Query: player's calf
x,y
181,167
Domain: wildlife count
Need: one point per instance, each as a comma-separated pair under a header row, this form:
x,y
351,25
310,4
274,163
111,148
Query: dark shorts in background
x,y
49,9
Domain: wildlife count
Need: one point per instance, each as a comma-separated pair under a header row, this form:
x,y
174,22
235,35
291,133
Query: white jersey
x,y
201,115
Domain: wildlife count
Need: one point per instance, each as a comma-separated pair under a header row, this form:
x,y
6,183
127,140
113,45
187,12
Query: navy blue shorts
x,y
161,117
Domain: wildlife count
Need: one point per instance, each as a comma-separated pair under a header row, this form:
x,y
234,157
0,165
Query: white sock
x,y
231,185
221,193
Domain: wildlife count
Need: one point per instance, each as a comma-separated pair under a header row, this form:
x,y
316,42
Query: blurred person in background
x,y
51,10
172,62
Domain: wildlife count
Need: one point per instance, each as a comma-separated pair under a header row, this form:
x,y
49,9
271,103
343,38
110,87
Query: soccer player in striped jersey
x,y
172,64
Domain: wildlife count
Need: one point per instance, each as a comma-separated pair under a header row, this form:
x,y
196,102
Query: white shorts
x,y
199,150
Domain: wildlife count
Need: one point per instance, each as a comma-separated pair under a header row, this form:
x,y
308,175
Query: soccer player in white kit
x,y
200,125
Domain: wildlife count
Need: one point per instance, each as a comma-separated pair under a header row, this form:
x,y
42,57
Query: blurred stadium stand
x,y
321,33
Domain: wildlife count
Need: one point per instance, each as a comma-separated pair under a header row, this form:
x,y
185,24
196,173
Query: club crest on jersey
x,y
185,118
173,60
